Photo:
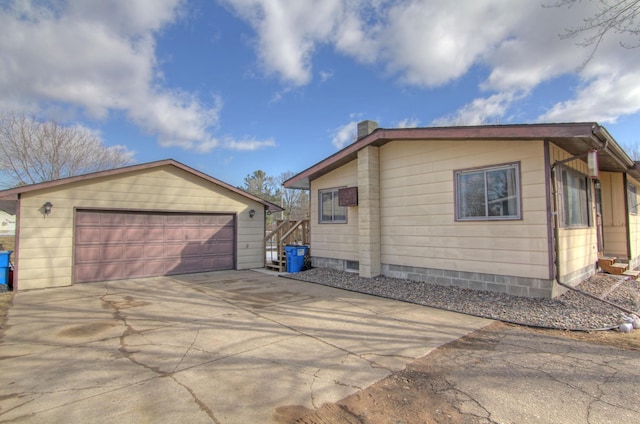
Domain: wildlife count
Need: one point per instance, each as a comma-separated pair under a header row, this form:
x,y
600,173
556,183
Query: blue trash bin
x,y
295,257
4,266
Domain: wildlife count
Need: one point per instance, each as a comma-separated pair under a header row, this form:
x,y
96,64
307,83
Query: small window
x,y
491,193
330,210
632,199
575,195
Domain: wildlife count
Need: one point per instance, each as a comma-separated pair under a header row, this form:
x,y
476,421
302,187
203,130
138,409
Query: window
x,y
489,193
330,211
632,199
575,195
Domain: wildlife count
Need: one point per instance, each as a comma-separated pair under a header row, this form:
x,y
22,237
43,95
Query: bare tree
x,y
295,202
613,16
32,151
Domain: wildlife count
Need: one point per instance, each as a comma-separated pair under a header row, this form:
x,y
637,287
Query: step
x,y
632,273
616,269
606,261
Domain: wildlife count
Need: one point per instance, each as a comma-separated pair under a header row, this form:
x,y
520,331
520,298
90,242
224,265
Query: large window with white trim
x,y
330,211
491,193
575,199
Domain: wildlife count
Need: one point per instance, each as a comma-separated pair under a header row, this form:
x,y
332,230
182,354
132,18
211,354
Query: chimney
x,y
366,127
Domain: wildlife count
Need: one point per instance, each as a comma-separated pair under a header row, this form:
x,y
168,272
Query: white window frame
x,y
335,208
483,173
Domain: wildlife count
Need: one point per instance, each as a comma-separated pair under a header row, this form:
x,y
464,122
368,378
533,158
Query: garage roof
x,y
575,138
13,193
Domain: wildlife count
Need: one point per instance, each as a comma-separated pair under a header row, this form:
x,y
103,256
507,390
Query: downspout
x,y
556,231
595,130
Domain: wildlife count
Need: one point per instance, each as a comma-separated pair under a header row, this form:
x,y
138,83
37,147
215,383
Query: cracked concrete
x,y
503,374
226,347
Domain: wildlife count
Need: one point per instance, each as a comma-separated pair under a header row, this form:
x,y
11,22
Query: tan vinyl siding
x,y
634,227
613,214
337,241
46,244
418,209
577,246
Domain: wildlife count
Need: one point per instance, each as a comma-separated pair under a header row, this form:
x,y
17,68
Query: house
x,y
157,218
524,209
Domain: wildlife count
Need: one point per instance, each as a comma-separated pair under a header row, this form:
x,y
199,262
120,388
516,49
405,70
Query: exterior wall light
x,y
252,213
47,208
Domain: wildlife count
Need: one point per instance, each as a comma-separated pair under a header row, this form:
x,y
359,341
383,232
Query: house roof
x,y
9,206
13,193
575,138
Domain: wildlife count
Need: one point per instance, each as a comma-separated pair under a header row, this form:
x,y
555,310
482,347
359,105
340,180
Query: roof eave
x,y
14,192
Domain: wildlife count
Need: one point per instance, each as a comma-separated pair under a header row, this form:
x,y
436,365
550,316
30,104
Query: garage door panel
x,y
112,235
224,234
112,271
87,272
87,219
155,220
154,234
192,234
112,252
173,234
174,250
88,235
133,235
110,219
135,220
89,254
134,251
224,262
219,248
134,269
115,245
153,251
154,267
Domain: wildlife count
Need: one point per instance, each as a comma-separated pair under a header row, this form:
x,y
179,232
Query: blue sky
x,y
232,86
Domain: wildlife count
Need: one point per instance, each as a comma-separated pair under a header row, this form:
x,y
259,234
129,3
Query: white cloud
x,y
408,123
288,31
603,99
481,111
433,43
248,144
345,134
98,57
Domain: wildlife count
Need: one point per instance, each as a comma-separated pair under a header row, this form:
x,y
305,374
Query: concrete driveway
x,y
224,347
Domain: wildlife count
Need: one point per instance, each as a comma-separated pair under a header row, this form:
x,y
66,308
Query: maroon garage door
x,y
113,245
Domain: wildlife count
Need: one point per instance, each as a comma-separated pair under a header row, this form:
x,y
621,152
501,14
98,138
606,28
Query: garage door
x,y
115,245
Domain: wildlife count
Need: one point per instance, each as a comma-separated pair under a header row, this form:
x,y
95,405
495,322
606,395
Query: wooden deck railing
x,y
285,233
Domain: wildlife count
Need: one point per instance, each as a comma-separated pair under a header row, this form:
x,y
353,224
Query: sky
x,y
229,87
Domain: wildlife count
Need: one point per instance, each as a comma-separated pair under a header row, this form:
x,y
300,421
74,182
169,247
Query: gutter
x,y
603,138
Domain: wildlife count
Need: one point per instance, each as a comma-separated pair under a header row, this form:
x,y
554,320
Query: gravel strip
x,y
570,311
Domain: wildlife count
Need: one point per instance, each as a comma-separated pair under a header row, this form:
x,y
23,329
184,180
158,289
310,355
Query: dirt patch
x,y
418,394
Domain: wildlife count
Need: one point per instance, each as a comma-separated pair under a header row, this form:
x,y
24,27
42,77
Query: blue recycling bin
x,y
295,257
4,266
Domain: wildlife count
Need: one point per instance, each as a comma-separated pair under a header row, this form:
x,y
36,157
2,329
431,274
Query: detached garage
x,y
159,218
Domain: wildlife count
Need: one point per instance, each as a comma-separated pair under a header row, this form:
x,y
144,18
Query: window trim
x,y
588,199
334,191
632,202
456,188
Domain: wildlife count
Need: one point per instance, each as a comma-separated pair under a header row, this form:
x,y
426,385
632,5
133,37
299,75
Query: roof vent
x,y
366,127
